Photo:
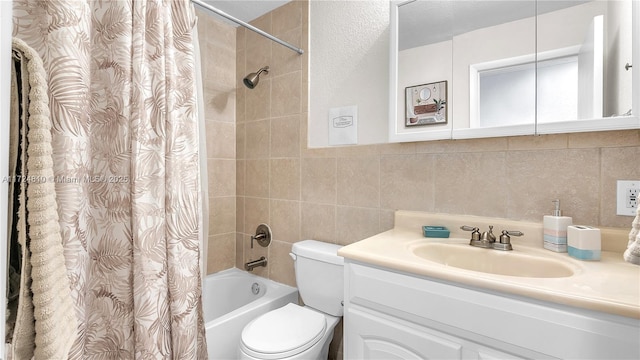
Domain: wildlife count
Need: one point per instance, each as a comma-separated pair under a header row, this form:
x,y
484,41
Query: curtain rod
x,y
248,26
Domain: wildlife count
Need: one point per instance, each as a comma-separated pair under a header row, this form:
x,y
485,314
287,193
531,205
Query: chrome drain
x,y
255,288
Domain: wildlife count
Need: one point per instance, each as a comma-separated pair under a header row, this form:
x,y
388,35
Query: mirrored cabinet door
x,y
512,67
585,79
421,71
494,68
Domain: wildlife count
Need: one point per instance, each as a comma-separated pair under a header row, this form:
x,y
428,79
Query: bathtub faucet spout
x,y
255,263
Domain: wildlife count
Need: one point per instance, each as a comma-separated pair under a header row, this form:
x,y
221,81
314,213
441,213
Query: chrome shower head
x,y
252,79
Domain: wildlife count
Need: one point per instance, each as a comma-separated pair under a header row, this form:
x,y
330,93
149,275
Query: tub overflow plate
x,y
255,288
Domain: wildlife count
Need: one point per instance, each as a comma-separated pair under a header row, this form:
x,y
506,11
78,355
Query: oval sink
x,y
497,262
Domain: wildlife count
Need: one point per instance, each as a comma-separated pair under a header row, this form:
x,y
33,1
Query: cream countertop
x,y
610,285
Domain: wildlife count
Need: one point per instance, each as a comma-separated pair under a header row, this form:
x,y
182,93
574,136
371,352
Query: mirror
x,y
515,67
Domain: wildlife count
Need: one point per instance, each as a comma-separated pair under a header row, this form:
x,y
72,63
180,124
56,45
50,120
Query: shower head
x,y
252,79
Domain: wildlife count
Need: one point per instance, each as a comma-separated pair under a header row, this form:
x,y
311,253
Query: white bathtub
x,y
229,304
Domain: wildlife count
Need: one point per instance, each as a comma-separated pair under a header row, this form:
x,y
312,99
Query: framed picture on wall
x,y
426,104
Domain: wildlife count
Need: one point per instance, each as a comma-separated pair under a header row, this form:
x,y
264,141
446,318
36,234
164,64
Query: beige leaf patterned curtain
x,y
125,142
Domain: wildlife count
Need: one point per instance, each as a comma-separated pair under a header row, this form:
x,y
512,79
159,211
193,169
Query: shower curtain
x,y
125,153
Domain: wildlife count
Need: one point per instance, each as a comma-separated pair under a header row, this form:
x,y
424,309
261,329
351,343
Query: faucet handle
x,y
475,232
512,232
469,228
505,240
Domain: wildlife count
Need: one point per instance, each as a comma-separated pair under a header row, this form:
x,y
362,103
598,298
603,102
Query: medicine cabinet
x,y
512,68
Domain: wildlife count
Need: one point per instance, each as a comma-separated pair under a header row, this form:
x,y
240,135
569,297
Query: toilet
x,y
301,332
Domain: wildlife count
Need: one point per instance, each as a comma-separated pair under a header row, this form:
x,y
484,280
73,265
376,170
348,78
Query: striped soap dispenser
x,y
555,229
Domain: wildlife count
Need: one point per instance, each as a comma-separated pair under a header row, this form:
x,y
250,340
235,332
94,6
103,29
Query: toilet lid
x,y
283,332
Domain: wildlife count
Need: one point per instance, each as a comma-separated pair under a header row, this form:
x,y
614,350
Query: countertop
x,y
610,285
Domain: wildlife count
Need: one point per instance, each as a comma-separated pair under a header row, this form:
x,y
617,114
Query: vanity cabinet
x,y
395,315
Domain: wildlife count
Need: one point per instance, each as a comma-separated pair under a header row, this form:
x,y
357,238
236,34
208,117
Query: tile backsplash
x,y
260,170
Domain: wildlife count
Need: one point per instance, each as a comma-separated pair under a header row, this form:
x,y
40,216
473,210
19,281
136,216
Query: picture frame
x,y
426,104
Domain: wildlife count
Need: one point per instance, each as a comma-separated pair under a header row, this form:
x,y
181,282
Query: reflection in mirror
x,y
517,67
596,39
424,56
494,66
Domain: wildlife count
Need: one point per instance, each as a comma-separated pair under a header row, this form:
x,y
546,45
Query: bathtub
x,y
231,299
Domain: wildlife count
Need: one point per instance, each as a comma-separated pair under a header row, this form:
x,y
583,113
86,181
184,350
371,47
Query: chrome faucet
x,y
487,239
255,263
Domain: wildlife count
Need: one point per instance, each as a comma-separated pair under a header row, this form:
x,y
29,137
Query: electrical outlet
x,y
627,197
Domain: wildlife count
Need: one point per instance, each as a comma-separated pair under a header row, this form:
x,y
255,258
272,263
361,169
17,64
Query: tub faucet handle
x,y
262,236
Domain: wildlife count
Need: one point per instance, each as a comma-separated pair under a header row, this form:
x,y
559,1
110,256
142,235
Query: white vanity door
x,y
376,336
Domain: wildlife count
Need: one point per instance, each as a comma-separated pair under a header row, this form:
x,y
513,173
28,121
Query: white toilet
x,y
301,332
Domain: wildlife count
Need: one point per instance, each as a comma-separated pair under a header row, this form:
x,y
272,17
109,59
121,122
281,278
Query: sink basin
x,y
497,262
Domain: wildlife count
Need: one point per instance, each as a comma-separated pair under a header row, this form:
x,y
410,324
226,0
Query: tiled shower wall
x,y
341,195
217,42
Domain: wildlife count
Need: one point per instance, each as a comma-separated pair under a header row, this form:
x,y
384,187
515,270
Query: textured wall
x,y
350,61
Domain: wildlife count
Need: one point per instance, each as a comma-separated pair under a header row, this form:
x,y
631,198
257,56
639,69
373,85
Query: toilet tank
x,y
319,275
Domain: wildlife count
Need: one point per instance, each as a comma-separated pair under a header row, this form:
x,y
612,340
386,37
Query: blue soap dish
x,y
435,231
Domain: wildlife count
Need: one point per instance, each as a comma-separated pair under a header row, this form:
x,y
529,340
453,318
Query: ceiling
x,y
245,10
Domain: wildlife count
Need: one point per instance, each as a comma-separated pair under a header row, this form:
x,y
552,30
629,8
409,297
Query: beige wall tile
x,y
221,140
285,60
240,214
407,182
221,177
222,252
222,215
257,139
318,222
467,145
470,183
239,250
359,181
258,100
241,90
220,65
285,220
256,182
240,177
280,263
220,104
286,94
538,177
284,179
241,141
605,139
398,148
540,142
258,48
287,18
285,137
256,212
617,164
358,151
354,224
319,180
387,219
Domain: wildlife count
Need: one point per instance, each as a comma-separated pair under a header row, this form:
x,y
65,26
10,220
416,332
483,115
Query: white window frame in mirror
x,y
398,133
476,69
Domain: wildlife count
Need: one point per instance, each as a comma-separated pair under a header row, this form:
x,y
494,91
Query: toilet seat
x,y
283,332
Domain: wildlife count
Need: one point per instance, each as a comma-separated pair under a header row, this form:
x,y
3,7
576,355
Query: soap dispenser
x,y
555,229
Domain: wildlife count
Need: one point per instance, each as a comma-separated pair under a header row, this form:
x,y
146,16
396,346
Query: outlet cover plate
x,y
625,204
